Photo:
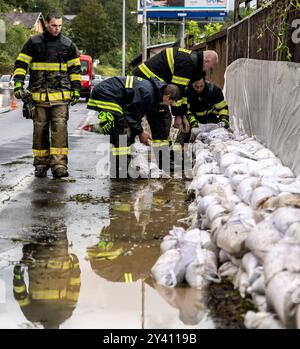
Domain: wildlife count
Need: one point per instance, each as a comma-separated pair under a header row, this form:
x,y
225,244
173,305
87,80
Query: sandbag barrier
x,y
244,226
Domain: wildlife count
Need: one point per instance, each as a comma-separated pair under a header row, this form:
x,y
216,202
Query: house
x,y
30,20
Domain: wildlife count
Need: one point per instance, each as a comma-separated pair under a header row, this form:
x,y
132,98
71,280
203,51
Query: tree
x,y
16,36
92,30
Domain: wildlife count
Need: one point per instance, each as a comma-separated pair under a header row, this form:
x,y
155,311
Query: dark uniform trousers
x,y
51,151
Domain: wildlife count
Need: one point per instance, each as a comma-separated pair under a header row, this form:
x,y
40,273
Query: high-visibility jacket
x,y
127,97
54,67
207,107
173,65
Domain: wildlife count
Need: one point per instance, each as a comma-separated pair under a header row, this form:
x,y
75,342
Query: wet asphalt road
x,y
49,239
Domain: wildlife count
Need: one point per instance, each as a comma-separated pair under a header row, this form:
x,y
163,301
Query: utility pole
x,y
144,33
124,39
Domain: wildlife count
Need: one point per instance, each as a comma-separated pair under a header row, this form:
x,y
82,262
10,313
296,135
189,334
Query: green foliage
x,y
92,30
15,38
212,28
193,29
276,24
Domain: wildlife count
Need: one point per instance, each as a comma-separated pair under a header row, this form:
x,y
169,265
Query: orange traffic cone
x,y
13,105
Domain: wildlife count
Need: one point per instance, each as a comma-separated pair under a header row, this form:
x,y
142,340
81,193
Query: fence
x,y
250,38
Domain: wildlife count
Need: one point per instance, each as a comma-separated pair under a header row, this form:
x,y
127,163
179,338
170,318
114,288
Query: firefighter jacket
x,y
127,97
173,65
54,67
207,107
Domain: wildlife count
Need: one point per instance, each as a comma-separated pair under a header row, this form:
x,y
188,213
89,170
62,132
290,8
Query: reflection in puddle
x,y
99,280
51,293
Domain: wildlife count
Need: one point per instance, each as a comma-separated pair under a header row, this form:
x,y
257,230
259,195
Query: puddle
x,y
80,255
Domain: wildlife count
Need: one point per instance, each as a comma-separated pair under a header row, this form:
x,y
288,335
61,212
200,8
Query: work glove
x,y
194,122
226,122
18,89
107,122
75,95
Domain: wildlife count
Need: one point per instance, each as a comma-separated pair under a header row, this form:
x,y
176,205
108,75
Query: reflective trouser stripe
x,y
19,289
147,72
41,153
49,294
160,143
74,281
129,82
170,59
105,105
24,302
58,151
120,151
128,277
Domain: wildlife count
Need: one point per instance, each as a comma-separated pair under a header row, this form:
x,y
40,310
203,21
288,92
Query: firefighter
x,y
122,102
203,102
46,282
180,67
55,79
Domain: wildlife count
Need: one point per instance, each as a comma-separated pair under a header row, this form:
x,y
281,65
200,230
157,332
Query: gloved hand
x,y
75,95
107,122
18,89
226,122
194,122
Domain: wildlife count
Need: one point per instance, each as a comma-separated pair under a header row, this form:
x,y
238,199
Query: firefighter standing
x,y
122,102
54,68
203,102
180,67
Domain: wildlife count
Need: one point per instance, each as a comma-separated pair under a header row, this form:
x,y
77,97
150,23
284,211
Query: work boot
x,y
60,172
40,172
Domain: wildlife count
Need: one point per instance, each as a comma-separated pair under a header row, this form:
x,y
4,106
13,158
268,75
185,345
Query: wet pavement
x,y
77,252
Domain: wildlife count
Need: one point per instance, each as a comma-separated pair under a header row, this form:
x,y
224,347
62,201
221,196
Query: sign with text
x,y
183,5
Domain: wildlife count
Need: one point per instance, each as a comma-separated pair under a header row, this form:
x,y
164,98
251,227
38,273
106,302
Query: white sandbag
x,y
278,171
246,187
282,200
228,159
283,256
205,201
264,153
203,270
243,284
208,168
284,217
261,195
262,321
214,211
168,270
262,238
200,238
260,302
258,286
293,233
250,264
198,182
231,238
237,179
228,270
280,292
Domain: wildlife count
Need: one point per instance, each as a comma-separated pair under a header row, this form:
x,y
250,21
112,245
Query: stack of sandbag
x,y
250,204
186,256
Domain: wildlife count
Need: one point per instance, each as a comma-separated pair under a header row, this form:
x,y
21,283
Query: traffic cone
x,y
13,105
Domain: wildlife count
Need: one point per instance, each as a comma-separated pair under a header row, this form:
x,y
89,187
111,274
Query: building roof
x,y
27,19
